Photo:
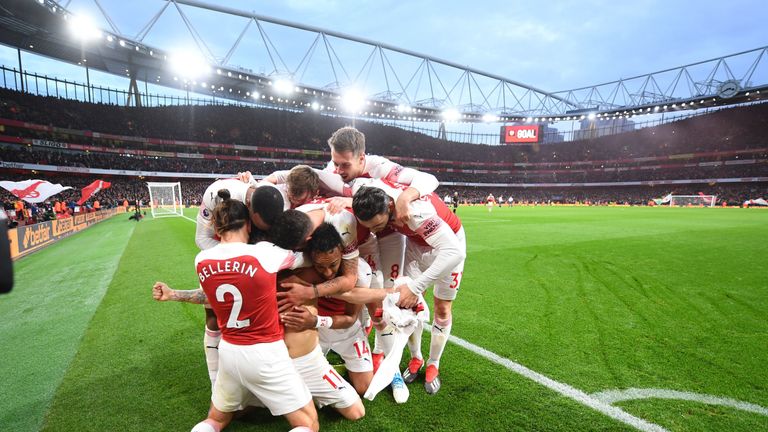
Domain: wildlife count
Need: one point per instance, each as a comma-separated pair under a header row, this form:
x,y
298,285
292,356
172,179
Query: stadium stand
x,y
226,139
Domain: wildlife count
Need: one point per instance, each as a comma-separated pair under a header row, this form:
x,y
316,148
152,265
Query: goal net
x,y
165,199
692,200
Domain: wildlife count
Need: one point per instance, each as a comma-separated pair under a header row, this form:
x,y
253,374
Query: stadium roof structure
x,y
391,83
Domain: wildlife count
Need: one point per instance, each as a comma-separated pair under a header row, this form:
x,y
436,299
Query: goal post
x,y
692,200
165,199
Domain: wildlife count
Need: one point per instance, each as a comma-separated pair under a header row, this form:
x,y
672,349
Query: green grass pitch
x,y
597,299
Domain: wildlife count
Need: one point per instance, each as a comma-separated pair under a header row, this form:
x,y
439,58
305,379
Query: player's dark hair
x,y
229,214
290,229
268,203
325,238
369,202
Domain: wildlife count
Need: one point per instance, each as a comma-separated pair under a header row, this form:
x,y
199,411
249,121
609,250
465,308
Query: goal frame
x,y
712,199
176,209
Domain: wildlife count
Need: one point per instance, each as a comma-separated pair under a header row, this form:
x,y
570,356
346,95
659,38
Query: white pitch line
x,y
564,389
613,396
189,219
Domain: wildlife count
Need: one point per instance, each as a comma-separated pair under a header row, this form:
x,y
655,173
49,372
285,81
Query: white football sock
x,y
414,342
385,340
377,348
211,346
441,329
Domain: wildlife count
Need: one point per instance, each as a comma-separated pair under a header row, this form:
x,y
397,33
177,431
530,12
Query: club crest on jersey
x,y
206,213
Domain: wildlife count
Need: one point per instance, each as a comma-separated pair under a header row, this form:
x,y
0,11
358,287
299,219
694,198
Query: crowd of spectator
x,y
122,190
58,157
126,191
732,194
723,131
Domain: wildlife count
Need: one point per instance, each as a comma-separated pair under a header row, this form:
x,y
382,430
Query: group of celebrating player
x,y
286,265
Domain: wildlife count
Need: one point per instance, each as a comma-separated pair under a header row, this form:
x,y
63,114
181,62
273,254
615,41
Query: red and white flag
x,y
92,189
33,191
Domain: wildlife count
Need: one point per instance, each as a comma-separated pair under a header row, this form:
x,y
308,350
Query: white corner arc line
x,y
564,389
613,396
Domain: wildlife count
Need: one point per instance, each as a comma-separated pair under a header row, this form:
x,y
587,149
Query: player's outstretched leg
x,y
441,330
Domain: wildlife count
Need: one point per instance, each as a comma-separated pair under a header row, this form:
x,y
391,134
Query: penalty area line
x,y
564,389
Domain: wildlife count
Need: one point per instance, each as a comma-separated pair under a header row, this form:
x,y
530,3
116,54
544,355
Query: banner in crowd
x,y
92,189
48,143
756,201
33,191
26,239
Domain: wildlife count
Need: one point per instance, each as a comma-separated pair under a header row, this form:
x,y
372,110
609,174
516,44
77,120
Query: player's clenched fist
x,y
161,291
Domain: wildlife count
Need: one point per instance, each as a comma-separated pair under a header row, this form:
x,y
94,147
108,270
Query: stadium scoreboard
x,y
528,134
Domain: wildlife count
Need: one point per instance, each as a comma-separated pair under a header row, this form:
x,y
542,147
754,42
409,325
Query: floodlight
x,y
490,118
82,28
189,63
451,114
283,86
591,116
352,100
315,106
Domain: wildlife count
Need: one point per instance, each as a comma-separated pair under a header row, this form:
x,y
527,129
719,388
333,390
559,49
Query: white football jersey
x,y
344,222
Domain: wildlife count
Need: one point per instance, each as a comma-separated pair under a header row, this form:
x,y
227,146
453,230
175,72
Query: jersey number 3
x,y
237,304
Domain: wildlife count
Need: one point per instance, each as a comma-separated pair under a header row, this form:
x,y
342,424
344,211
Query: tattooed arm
x,y
344,282
162,292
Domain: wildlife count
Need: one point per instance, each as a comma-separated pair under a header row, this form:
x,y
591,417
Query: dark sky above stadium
x,y
553,44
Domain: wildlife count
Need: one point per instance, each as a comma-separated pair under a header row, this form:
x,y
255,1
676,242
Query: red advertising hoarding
x,y
520,134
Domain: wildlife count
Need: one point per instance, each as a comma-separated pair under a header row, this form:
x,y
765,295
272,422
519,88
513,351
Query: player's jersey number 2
x,y
237,304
